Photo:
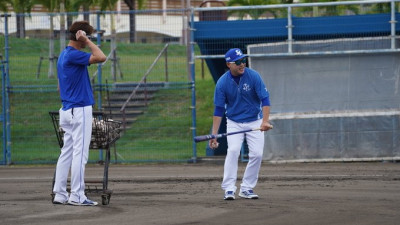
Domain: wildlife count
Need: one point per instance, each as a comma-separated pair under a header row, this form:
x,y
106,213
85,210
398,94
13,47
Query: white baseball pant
x,y
255,141
77,124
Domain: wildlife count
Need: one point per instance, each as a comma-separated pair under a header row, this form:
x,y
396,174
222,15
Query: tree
x,y
254,13
20,8
110,5
3,6
52,6
380,8
132,17
315,11
85,4
329,10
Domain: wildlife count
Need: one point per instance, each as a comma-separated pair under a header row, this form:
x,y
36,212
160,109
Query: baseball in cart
x,y
105,132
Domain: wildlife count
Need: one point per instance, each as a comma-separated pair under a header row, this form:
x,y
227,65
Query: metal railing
x,y
290,41
144,81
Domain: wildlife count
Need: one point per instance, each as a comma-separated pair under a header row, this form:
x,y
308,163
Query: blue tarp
x,y
216,37
317,27
240,29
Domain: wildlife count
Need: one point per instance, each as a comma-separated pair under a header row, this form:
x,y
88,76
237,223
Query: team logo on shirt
x,y
246,87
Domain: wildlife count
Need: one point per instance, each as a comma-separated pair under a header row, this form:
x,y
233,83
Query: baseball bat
x,y
213,136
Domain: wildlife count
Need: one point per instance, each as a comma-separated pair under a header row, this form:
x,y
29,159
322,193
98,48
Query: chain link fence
x,y
331,70
147,82
147,65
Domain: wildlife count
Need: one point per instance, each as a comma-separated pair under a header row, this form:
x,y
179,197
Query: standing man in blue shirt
x,y
242,95
76,113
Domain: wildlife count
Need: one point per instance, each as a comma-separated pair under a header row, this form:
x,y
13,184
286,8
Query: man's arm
x,y
97,54
216,123
265,123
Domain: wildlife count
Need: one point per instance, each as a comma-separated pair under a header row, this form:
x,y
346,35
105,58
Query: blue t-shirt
x,y
73,77
242,101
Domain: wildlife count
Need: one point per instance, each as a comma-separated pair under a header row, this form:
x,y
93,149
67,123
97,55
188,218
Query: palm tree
x,y
380,8
132,17
130,3
20,8
86,4
329,10
316,11
3,6
254,13
52,6
65,6
110,5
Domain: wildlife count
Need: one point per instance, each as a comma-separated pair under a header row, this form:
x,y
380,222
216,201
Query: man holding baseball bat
x,y
76,113
242,95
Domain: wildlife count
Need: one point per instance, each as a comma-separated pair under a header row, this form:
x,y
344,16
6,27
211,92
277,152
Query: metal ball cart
x,y
105,132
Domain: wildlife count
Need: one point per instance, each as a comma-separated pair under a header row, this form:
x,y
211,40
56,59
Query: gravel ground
x,y
295,193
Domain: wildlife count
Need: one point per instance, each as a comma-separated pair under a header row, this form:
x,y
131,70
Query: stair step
x,y
136,104
119,93
130,89
127,118
124,97
117,109
128,112
152,84
128,121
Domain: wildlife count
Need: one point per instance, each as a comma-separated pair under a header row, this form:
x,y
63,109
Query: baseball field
x,y
295,193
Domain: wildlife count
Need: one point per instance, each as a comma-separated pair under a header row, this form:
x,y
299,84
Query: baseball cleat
x,y
229,195
249,194
60,201
55,202
87,202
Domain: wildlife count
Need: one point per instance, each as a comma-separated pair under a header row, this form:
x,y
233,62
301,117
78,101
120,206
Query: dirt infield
x,y
299,193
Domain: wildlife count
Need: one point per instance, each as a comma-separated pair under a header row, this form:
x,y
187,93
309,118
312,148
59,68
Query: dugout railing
x,y
143,82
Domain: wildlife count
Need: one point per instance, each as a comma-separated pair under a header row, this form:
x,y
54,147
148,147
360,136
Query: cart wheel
x,y
105,199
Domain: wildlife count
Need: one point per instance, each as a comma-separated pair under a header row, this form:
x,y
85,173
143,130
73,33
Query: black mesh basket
x,y
104,130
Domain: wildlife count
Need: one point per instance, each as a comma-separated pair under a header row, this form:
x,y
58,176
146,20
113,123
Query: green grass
x,y
164,131
205,108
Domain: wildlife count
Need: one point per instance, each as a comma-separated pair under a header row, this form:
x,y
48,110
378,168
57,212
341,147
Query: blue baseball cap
x,y
234,54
